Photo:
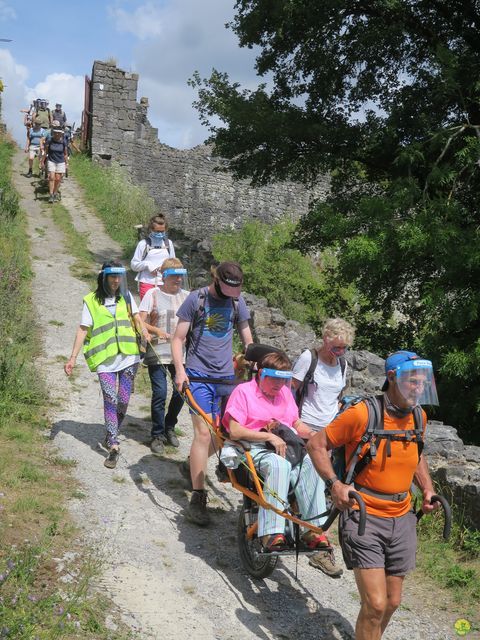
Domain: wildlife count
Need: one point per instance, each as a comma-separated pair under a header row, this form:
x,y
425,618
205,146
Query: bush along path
x,y
169,578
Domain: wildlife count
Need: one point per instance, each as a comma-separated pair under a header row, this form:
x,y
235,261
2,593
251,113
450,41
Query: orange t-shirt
x,y
392,474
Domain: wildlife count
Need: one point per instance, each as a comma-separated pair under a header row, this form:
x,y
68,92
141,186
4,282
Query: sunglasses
x,y
338,350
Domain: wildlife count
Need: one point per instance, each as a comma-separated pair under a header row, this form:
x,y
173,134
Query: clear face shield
x,y
276,379
416,382
115,281
174,280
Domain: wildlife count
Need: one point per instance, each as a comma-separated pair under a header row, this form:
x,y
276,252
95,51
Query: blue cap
x,y
394,360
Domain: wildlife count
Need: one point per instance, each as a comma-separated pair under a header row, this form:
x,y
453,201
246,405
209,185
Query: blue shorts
x,y
209,395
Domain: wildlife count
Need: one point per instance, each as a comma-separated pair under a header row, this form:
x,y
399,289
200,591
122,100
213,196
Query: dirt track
x,y
171,579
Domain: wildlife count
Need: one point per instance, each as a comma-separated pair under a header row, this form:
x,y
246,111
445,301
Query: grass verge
x,y
119,203
44,577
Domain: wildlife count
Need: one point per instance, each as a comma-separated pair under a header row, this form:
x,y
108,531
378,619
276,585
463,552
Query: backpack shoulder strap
x,y
148,246
375,408
302,390
419,428
236,313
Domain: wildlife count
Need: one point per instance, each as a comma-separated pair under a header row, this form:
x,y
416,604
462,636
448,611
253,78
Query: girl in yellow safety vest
x,y
108,333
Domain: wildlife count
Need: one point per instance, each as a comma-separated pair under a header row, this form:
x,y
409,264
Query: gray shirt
x,y
210,347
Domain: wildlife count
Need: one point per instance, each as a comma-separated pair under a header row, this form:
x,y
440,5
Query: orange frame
x,y
258,497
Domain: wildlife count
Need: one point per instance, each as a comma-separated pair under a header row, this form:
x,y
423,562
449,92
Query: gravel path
x,y
170,579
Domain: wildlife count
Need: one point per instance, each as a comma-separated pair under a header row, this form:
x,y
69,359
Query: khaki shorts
x,y
388,543
56,167
33,150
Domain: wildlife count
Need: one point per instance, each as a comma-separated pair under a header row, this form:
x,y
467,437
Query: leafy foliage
x,y
384,96
304,290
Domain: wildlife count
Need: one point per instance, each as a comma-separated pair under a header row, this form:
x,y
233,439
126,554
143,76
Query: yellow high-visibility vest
x,y
109,334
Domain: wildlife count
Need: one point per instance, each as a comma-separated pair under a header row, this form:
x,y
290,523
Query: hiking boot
x,y
197,509
29,174
112,459
325,561
51,199
185,471
157,446
171,438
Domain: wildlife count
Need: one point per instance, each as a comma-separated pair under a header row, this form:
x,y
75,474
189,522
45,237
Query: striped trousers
x,y
278,474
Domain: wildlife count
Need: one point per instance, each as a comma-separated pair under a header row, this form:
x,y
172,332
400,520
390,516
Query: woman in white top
x,y
320,402
108,328
150,254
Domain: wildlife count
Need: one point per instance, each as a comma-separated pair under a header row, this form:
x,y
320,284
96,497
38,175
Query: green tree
x,y
385,95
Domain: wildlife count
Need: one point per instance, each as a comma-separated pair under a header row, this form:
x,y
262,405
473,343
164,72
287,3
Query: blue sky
x,y
164,41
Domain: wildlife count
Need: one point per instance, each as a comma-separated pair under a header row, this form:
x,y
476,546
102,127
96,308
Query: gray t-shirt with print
x,y
210,347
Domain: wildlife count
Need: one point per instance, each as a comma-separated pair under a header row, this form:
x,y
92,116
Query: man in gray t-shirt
x,y
208,317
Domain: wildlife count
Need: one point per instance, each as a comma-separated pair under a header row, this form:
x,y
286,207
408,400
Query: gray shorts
x,y
388,543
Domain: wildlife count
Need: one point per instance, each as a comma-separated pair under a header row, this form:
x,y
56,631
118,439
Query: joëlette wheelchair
x,y
245,478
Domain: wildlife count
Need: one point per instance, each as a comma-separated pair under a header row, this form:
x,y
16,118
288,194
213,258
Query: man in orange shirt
x,y
382,557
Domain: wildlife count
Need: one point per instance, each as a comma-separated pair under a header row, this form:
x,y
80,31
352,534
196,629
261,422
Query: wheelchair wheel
x,y
257,567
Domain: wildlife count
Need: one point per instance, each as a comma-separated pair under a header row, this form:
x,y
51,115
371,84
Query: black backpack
x,y
302,390
348,470
199,317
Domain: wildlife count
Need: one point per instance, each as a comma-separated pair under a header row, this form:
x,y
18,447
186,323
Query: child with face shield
x,y
150,253
107,333
158,310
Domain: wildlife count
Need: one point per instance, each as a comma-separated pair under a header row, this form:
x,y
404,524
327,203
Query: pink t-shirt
x,y
250,408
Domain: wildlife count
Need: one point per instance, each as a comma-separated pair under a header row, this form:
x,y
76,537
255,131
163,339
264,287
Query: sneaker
x,y
171,438
51,199
185,471
29,174
197,509
157,446
112,459
325,561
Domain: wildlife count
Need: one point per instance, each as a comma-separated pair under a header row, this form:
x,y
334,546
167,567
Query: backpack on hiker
x,y
348,470
302,391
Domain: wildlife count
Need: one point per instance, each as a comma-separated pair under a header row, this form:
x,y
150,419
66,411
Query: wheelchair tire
x,y
256,567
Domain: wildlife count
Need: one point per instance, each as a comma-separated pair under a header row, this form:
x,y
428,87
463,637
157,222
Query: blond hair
x,y
171,263
339,328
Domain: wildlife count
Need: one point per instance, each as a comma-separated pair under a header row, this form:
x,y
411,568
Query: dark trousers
x,y
158,378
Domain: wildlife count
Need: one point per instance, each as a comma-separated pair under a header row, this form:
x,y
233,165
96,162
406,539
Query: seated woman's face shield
x,y
277,376
115,281
416,382
174,280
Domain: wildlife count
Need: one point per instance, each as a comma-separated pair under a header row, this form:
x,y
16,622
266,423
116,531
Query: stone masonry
x,y
197,199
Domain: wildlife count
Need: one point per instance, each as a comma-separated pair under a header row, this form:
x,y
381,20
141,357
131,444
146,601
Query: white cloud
x,y
191,35
57,87
6,12
145,22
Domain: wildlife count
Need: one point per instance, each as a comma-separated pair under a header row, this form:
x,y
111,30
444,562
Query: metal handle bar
x,y
447,514
363,513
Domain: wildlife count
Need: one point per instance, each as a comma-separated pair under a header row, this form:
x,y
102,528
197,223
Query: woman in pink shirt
x,y
252,409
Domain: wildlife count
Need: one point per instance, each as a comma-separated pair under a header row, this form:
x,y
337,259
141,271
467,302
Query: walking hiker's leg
x,y
108,384
372,587
200,451
158,380
51,182
176,402
394,598
125,385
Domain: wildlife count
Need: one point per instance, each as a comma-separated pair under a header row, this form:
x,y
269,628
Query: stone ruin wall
x,y
197,199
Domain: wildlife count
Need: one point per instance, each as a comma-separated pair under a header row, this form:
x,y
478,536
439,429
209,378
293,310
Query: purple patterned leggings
x,y
115,402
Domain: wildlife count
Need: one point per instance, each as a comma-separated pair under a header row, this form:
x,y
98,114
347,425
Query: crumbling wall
x,y
196,198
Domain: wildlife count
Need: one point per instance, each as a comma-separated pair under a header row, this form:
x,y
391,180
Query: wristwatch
x,y
331,481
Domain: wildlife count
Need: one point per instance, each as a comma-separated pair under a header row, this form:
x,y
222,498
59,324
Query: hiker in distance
x,y
108,332
383,474
150,253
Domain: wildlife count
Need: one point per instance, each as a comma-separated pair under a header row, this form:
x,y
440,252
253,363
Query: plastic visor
x,y
111,273
176,276
284,376
416,382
